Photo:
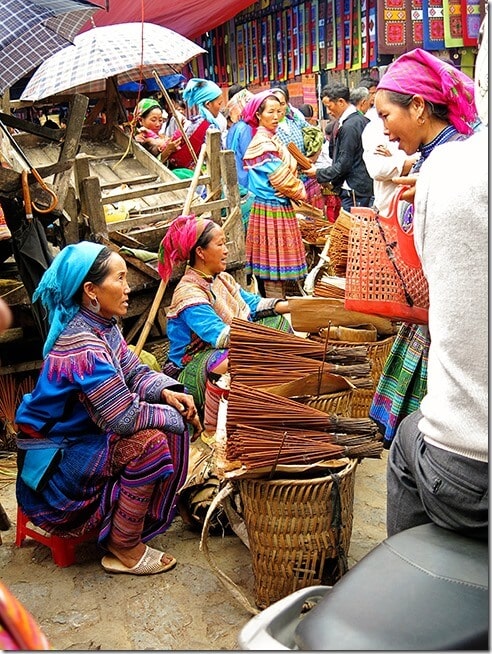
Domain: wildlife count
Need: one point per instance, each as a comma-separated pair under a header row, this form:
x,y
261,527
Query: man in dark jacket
x,y
348,174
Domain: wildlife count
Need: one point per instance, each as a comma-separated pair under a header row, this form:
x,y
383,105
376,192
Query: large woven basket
x,y
378,353
299,531
339,403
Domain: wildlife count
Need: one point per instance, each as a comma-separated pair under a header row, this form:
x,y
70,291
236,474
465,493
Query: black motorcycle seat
x,y
422,589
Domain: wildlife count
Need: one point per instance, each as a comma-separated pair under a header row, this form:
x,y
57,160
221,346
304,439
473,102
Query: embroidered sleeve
x,y
286,183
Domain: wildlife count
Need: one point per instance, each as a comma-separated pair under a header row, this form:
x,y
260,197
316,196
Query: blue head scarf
x,y
198,91
59,284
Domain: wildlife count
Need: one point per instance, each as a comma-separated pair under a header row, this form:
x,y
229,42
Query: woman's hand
x,y
310,172
169,148
185,404
408,181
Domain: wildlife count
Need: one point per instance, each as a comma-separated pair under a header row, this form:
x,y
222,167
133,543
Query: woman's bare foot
x,y
132,555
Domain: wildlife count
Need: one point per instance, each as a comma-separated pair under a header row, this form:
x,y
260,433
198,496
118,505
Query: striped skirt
x,y
274,247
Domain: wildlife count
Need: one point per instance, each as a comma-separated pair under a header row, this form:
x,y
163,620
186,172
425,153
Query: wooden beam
x,y
91,205
31,128
76,116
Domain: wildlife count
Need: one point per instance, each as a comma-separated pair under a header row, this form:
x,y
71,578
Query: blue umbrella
x,y
150,85
32,30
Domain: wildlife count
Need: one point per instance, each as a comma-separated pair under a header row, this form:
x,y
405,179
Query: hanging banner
x,y
416,33
314,37
364,33
356,49
321,38
339,35
372,33
391,26
433,24
289,20
347,33
295,40
453,24
281,54
272,53
241,61
332,45
470,10
303,41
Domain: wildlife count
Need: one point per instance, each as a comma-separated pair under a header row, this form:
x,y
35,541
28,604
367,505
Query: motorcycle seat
x,y
423,589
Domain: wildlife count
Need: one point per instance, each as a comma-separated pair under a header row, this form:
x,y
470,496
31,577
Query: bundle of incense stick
x,y
268,339
258,368
260,448
256,407
299,156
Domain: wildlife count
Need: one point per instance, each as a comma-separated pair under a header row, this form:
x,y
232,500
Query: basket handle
x,y
406,243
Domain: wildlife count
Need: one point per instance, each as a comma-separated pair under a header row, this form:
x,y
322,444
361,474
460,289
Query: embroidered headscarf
x,y
181,237
60,283
146,105
252,106
237,103
436,81
198,91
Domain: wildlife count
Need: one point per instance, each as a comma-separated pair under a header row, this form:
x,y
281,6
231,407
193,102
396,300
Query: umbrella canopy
x,y
32,30
130,51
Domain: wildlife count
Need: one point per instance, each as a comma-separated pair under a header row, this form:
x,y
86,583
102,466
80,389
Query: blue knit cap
x,y
59,284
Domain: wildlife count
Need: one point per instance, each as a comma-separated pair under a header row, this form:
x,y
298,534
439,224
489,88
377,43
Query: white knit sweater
x,y
451,237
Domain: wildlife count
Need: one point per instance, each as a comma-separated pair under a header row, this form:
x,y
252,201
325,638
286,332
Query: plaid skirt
x,y
274,247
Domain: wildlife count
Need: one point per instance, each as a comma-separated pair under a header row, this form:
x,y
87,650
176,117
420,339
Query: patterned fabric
x,y
146,105
403,382
110,397
202,310
18,629
274,247
31,32
113,50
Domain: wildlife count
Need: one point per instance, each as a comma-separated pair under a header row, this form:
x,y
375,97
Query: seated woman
x,y
204,303
103,440
206,96
149,116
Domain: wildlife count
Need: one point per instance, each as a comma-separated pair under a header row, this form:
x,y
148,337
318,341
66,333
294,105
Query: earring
x,y
421,120
95,306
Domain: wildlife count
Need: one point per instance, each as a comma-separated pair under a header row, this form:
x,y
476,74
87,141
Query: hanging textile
x,y
433,24
347,33
453,25
339,35
356,32
470,11
372,33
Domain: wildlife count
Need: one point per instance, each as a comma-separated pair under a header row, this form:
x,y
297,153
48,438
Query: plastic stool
x,y
62,547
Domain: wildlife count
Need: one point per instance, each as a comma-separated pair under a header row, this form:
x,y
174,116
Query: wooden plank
x,y
90,198
144,179
10,180
160,187
77,111
32,128
126,240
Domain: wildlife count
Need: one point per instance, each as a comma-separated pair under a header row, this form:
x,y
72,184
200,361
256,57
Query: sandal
x,y
149,564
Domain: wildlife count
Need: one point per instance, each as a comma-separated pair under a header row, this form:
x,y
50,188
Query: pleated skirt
x,y
274,247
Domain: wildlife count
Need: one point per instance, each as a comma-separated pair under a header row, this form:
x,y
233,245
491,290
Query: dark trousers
x,y
347,198
429,484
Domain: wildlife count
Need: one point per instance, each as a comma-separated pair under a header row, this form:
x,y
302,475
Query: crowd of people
x,y
103,441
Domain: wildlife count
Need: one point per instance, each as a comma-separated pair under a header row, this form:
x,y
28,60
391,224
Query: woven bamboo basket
x,y
339,403
378,353
299,531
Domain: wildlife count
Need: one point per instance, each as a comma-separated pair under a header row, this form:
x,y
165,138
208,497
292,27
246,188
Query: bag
x,y
37,466
384,273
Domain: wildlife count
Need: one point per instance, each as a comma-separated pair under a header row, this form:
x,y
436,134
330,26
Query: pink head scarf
x,y
180,238
252,106
436,81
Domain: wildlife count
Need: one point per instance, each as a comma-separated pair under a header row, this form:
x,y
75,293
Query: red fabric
x,y
191,18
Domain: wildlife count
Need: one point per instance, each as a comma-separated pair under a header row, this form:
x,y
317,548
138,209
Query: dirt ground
x,y
83,608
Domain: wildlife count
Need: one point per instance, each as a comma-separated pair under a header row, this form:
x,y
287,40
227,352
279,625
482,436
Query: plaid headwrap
x,y
180,239
436,81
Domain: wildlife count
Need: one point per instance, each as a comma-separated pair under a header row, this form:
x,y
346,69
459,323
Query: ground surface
x,y
84,608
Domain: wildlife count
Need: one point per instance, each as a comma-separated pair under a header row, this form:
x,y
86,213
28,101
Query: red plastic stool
x,y
62,547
